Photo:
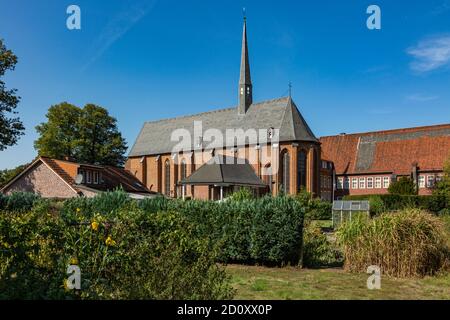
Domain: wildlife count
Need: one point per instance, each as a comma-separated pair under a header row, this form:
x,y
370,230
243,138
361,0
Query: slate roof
x,y
224,170
391,151
282,114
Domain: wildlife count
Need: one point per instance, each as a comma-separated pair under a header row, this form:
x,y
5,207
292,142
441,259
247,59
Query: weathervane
x,y
243,13
290,89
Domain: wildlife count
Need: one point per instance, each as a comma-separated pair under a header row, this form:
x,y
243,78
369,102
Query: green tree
x,y
443,186
403,186
11,128
87,135
59,135
99,140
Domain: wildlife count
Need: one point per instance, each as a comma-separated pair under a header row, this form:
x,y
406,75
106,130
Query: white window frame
x,y
88,177
378,183
430,181
362,183
422,182
340,183
386,182
96,177
370,183
346,183
355,183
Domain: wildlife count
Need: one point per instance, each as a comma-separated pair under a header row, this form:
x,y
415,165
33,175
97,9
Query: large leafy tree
x,y
11,128
59,135
99,139
86,134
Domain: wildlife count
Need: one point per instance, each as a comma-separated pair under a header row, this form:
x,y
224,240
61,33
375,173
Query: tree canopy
x,y
88,135
11,128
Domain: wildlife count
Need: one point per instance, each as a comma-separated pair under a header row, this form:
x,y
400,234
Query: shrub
x,y
409,243
130,255
393,202
318,251
403,186
315,209
241,195
264,230
19,201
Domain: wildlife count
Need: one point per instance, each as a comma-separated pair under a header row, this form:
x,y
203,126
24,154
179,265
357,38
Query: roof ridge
x,y
212,111
388,131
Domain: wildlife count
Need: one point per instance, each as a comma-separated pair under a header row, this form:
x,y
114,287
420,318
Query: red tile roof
x,y
113,177
392,151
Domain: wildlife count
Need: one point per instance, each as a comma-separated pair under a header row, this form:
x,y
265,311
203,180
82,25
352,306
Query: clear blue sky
x,y
145,60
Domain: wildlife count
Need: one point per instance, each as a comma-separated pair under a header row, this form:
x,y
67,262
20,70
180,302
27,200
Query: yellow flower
x,y
74,261
78,210
94,225
110,242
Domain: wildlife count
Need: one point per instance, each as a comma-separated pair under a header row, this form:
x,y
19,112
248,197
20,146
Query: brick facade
x,y
43,181
151,169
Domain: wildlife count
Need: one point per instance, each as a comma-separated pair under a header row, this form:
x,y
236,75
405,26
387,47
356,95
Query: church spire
x,y
245,81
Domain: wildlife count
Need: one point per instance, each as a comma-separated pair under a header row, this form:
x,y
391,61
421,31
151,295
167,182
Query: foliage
x,y
315,209
86,134
129,255
11,128
266,230
442,188
403,186
318,250
241,195
9,174
409,243
18,201
393,202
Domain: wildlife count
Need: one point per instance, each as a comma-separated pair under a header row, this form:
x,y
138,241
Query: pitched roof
x,y
282,114
224,170
113,177
391,151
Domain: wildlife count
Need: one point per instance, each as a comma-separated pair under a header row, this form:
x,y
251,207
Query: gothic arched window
x,y
267,176
167,178
183,169
285,172
301,167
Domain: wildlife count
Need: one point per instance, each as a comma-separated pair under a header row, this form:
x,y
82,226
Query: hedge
x,y
266,230
391,202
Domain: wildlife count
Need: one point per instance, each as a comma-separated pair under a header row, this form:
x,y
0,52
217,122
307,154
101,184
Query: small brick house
x,y
366,163
51,178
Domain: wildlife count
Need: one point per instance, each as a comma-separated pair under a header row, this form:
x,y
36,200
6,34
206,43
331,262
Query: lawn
x,y
255,283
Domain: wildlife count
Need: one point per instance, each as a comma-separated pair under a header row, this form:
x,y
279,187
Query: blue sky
x,y
146,60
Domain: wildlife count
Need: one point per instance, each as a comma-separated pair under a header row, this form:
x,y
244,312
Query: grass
x,y
258,283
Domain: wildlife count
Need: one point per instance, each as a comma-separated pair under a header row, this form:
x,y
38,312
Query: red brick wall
x,y
153,170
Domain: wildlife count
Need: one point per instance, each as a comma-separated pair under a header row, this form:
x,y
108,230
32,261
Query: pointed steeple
x,y
245,81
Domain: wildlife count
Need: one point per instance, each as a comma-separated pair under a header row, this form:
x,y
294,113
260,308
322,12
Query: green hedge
x,y
389,202
265,230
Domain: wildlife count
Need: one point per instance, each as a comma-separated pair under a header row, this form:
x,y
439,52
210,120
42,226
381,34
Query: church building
x,y
273,149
